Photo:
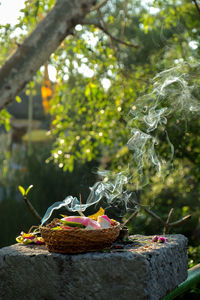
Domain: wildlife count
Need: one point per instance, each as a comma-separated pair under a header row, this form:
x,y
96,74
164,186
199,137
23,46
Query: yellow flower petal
x,y
99,213
19,239
28,235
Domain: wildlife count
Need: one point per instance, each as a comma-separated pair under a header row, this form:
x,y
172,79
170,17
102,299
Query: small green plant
x,y
27,202
23,191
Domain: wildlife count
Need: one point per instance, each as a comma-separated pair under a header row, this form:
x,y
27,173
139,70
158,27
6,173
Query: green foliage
x,y
89,120
5,119
193,256
18,99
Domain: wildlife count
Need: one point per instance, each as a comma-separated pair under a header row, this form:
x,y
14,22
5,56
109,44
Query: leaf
x,y
56,228
28,92
28,189
18,99
22,190
110,19
87,91
72,224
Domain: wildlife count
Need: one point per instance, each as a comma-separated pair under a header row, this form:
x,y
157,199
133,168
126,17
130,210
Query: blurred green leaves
x,y
5,119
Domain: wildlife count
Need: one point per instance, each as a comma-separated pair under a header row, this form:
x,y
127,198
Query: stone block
x,y
141,270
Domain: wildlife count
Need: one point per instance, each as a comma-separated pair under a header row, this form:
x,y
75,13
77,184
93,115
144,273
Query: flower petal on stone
x,y
155,239
162,239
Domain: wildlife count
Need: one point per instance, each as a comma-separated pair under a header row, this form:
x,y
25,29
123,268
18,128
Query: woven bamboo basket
x,y
78,240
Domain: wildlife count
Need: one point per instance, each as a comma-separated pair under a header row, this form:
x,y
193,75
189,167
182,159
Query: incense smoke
x,y
111,189
172,95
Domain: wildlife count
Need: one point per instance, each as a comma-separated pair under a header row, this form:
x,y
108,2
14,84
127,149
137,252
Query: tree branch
x,y
32,209
154,215
98,25
166,224
168,220
19,69
98,6
197,6
124,19
179,222
101,20
133,215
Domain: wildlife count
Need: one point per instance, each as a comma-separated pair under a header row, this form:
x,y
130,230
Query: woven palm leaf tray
x,y
78,240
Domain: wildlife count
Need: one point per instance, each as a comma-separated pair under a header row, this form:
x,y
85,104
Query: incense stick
x,y
80,212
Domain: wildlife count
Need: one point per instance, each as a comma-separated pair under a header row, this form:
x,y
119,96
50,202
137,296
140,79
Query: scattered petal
x,y
162,239
155,239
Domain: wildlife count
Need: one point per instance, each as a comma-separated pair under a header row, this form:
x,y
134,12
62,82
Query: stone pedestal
x,y
138,271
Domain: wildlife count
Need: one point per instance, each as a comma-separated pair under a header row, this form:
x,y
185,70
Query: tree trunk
x,y
20,67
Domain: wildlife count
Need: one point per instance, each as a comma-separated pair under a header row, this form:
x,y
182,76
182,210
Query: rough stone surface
x,y
141,270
